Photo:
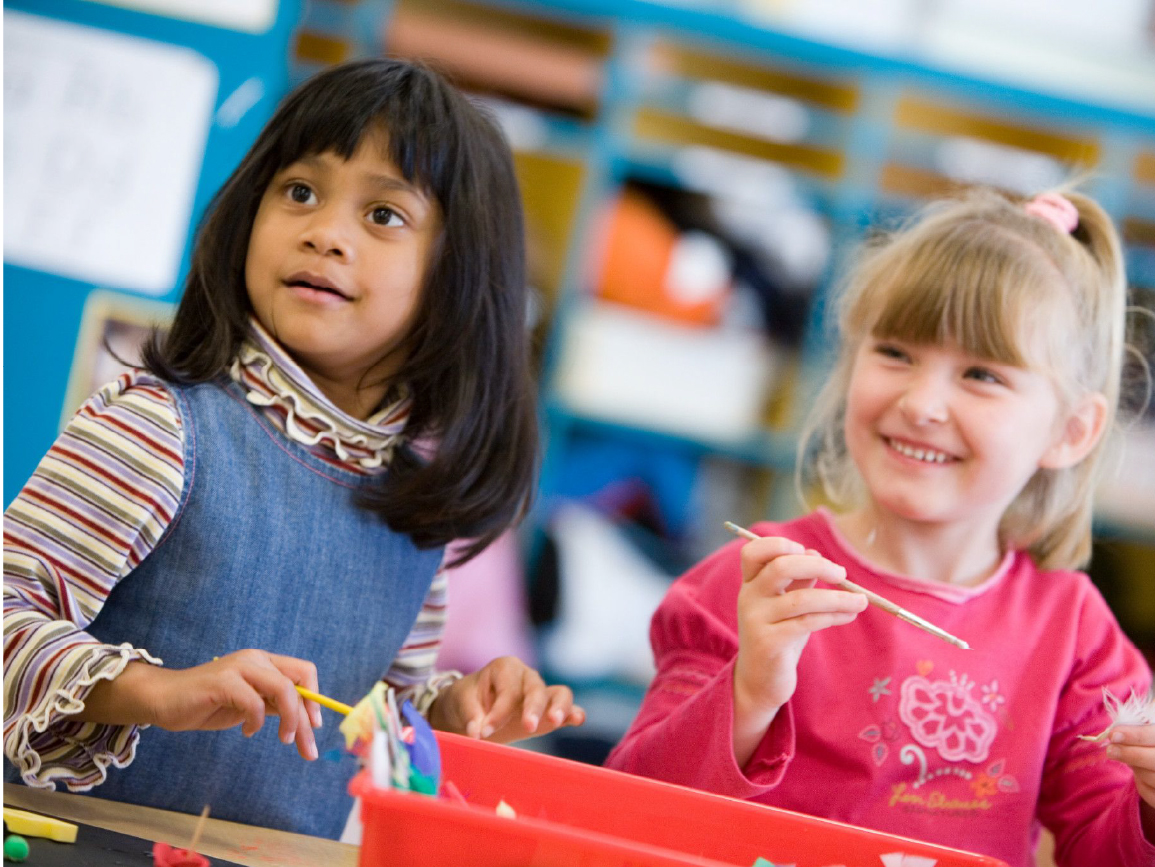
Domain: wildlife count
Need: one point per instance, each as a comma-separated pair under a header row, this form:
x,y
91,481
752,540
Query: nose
x,y
924,401
326,233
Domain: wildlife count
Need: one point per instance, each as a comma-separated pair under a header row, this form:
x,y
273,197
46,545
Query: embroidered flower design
x,y
942,715
992,696
877,735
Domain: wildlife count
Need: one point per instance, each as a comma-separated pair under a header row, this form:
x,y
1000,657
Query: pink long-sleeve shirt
x,y
893,729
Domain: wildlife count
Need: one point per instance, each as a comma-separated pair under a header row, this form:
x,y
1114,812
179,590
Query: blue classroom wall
x,y
42,311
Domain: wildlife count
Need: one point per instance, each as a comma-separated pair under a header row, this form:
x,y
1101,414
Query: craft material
x,y
503,809
423,752
34,825
881,601
450,791
99,846
398,756
199,829
164,855
323,700
15,848
1137,710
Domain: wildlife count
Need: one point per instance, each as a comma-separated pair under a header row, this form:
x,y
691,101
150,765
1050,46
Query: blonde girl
x,y
959,438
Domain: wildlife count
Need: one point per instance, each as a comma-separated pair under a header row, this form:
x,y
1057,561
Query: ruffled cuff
x,y
46,748
423,694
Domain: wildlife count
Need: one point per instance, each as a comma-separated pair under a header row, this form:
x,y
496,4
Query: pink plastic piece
x,y
164,855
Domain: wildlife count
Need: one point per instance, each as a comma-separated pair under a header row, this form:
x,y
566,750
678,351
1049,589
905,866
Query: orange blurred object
x,y
648,264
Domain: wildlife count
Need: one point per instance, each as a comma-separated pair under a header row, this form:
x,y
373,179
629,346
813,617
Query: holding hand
x,y
241,688
778,609
504,701
1134,745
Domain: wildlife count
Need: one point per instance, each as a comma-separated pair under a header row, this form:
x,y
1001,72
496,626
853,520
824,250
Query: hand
x,y
241,688
1134,746
778,609
504,701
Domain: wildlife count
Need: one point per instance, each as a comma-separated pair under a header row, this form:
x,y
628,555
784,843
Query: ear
x,y
1078,435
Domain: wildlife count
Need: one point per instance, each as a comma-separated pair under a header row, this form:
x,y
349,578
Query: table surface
x,y
244,844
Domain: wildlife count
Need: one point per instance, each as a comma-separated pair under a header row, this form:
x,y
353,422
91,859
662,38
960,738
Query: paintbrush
x,y
881,601
325,701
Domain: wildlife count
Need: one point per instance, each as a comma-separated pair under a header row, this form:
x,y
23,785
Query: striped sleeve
x,y
96,505
412,673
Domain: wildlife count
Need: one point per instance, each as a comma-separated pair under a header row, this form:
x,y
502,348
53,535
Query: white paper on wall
x,y
104,135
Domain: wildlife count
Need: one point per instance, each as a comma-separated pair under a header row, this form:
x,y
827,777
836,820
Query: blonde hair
x,y
1005,285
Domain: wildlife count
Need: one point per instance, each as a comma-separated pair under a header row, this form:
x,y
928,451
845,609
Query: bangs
x,y
406,104
971,285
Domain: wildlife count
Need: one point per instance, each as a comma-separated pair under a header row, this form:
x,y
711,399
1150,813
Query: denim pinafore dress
x,y
268,551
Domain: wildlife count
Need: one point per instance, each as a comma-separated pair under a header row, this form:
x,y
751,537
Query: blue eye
x,y
383,216
888,350
983,375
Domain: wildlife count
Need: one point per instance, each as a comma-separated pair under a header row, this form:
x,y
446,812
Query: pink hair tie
x,y
1056,209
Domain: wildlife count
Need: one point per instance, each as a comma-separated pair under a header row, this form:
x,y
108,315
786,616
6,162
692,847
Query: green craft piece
x,y
15,848
419,782
762,862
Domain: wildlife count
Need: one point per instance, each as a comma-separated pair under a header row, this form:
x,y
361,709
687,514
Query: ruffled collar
x,y
272,379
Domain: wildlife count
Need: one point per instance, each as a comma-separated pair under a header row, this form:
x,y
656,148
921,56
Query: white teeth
x,y
928,455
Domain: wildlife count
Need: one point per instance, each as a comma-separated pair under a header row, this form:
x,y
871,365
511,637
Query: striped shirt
x,y
93,510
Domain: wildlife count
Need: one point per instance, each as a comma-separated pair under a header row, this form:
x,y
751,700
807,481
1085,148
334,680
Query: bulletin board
x,y
122,118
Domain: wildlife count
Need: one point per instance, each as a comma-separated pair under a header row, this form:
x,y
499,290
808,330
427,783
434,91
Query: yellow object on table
x,y
34,825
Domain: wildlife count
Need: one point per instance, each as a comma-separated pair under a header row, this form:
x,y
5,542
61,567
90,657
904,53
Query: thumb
x,y
469,710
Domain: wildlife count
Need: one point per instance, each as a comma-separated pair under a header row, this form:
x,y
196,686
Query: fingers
x,y
757,553
1135,746
560,710
470,711
507,701
775,565
534,700
512,684
265,683
279,694
302,673
788,572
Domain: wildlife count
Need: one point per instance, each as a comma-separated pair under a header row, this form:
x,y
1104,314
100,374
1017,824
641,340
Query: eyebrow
x,y
386,182
382,182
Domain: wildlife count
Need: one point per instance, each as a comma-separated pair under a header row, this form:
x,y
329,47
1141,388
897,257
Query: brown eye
x,y
300,194
383,216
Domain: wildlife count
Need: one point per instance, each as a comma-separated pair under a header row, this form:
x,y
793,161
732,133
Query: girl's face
x,y
336,262
940,436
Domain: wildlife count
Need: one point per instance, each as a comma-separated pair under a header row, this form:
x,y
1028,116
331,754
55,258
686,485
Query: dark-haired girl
x,y
344,390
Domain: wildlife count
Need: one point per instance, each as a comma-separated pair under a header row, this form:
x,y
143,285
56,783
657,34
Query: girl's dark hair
x,y
467,351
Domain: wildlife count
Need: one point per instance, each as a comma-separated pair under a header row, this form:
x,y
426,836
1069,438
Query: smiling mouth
x,y
927,456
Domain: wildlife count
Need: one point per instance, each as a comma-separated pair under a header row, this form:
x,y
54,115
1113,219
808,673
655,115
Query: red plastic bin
x,y
571,814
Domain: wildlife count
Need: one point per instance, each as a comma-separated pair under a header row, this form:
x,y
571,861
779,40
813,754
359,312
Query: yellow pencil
x,y
325,701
